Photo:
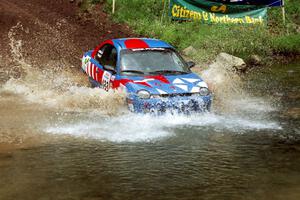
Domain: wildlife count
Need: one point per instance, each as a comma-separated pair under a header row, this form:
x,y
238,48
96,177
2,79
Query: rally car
x,y
154,76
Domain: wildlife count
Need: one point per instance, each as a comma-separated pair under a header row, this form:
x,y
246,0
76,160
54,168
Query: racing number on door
x,y
106,80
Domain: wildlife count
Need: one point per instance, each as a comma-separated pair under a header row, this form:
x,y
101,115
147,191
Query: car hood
x,y
160,84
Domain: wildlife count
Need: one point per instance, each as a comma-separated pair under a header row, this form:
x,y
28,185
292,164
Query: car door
x,y
105,62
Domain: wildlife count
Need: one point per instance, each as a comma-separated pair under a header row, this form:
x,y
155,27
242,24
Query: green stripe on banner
x,y
217,13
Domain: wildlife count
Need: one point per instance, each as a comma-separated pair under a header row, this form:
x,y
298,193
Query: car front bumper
x,y
177,104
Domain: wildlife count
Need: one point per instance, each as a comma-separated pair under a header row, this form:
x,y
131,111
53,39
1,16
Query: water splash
x,y
146,128
16,45
57,87
67,98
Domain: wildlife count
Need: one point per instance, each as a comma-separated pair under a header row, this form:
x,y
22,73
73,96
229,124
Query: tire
x,y
92,84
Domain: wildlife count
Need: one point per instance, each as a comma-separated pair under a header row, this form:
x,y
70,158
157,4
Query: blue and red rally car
x,y
155,77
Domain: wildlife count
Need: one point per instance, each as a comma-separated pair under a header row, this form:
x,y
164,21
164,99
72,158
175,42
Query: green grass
x,y
209,40
288,44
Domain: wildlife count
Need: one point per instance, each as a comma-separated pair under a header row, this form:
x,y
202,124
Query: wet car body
x,y
154,76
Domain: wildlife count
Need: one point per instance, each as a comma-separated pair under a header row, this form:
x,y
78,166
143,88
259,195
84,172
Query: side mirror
x,y
110,68
191,64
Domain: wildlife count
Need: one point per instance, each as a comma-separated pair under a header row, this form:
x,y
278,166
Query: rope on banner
x,y
282,8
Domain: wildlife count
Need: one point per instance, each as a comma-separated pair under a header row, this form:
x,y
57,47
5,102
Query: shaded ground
x,y
51,33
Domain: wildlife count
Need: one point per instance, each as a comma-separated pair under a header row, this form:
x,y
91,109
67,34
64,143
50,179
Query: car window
x,y
107,55
152,60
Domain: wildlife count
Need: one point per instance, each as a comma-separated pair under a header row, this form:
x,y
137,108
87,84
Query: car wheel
x,y
92,84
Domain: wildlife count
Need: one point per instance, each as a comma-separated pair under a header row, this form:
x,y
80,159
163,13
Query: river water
x,y
62,140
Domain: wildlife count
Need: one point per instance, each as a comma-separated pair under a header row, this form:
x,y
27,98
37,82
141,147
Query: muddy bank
x,y
49,34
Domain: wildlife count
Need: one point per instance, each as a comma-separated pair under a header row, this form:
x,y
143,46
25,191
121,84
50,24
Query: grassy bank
x,y
209,40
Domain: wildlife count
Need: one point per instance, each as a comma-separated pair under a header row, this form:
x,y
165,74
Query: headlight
x,y
204,91
143,94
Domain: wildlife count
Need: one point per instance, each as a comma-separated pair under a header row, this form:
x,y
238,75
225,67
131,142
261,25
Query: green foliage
x,y
289,44
240,40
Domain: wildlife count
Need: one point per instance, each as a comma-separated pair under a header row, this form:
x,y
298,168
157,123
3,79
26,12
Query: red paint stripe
x,y
160,78
143,83
92,71
100,46
94,74
135,44
99,75
117,83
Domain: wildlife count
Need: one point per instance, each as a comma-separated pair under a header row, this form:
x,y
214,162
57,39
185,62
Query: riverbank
x,y
272,42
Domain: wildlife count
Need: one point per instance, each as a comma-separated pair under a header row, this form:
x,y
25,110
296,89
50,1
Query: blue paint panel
x,y
153,43
157,43
89,53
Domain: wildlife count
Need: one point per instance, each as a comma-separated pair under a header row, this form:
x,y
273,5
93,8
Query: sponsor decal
x,y
106,80
85,62
214,12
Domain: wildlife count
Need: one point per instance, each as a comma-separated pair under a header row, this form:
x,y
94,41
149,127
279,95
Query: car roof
x,y
140,43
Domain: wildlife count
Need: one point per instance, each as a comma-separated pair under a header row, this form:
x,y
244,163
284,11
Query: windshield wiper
x,y
168,71
132,71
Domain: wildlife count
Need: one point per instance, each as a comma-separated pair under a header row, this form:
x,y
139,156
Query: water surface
x,y
249,149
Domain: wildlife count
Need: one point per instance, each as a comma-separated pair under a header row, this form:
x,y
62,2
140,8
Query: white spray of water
x,y
71,98
145,128
230,97
16,45
58,87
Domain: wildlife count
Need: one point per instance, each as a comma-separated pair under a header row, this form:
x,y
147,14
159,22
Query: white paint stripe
x,y
202,84
178,81
161,91
191,80
144,80
195,89
88,69
93,71
183,87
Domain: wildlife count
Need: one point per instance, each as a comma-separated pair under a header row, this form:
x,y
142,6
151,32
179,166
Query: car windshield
x,y
152,61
